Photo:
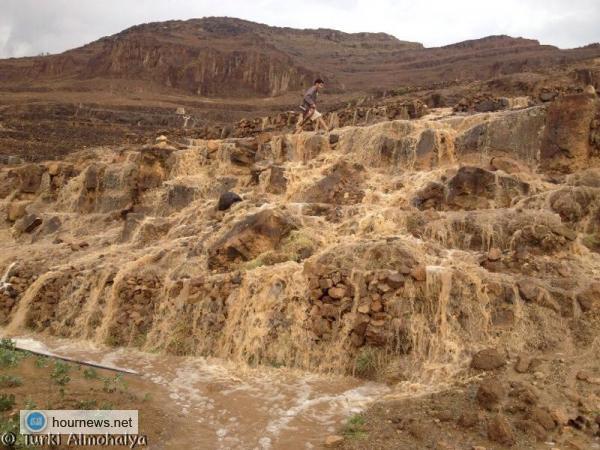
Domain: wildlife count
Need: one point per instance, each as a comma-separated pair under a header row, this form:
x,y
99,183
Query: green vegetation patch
x,y
355,427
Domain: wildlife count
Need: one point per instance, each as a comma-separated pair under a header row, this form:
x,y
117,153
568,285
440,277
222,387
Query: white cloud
x,y
4,35
36,26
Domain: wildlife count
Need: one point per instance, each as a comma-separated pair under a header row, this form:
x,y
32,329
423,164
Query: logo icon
x,y
35,421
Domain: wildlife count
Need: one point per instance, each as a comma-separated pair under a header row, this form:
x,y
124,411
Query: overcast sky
x,y
30,27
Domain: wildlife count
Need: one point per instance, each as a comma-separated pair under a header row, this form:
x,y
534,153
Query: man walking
x,y
309,107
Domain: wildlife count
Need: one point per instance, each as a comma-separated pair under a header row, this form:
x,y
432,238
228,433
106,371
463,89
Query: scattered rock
x,y
588,377
365,308
30,177
490,393
580,422
333,441
494,254
590,90
325,283
28,223
376,306
444,415
432,196
528,291
530,427
542,417
396,280
468,419
488,359
499,430
337,292
589,299
419,273
227,199
16,210
523,363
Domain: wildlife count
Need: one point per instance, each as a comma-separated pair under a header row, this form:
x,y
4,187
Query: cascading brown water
x,y
391,252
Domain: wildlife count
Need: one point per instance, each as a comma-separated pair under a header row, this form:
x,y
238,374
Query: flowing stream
x,y
220,405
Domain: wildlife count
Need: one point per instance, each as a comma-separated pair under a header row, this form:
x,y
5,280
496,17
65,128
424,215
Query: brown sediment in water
x,y
392,252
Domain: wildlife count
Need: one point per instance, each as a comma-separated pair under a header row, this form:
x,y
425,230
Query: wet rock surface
x,y
458,255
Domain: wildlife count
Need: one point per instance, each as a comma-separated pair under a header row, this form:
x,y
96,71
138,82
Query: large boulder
x,y
471,188
566,141
154,166
27,223
576,204
243,152
341,185
432,196
499,430
488,359
273,179
30,177
180,195
250,237
16,210
226,199
512,133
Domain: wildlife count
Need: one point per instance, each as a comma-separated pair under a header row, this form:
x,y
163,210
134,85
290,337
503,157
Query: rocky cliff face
x,y
201,71
232,58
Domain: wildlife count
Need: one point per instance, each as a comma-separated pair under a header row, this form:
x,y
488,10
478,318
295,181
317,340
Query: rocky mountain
x,y
235,58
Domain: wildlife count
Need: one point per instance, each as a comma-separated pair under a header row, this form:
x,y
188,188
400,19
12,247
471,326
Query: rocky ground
x,y
457,250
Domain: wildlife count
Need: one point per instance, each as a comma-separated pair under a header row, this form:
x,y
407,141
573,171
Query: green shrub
x,y
365,364
60,373
41,362
7,402
89,373
112,384
9,355
354,427
7,344
9,381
